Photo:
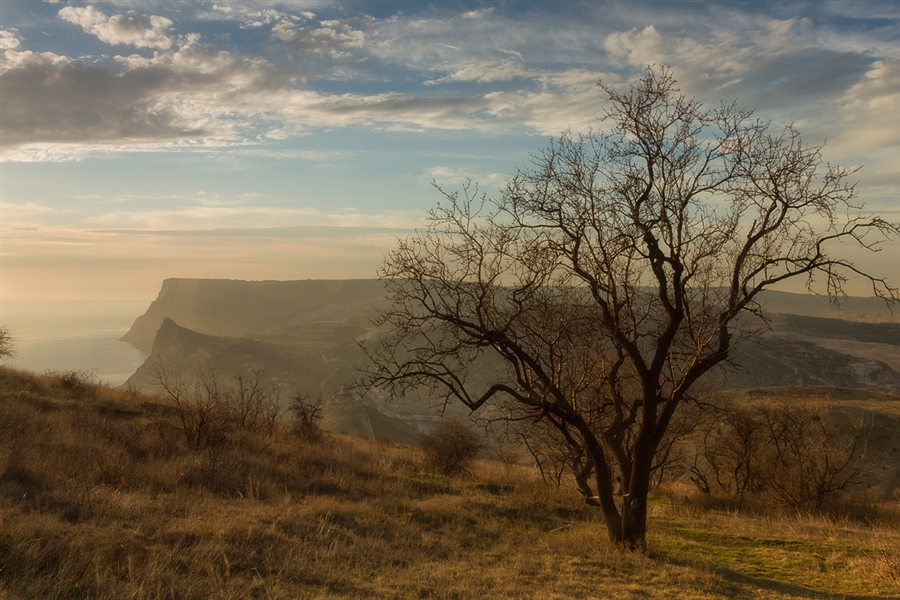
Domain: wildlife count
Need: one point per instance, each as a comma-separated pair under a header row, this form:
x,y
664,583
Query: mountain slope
x,y
291,370
305,335
262,309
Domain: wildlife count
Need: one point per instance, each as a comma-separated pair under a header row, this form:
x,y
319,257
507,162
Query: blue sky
x,y
141,140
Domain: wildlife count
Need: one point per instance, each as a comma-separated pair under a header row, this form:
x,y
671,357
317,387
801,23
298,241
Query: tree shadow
x,y
748,586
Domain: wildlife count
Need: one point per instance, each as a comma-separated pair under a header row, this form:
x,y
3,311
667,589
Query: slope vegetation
x,y
100,497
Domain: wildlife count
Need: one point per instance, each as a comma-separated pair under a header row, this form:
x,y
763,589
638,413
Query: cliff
x,y
261,309
185,352
304,334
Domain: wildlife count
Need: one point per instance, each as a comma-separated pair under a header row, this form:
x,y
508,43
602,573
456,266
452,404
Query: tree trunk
x,y
627,528
632,534
634,522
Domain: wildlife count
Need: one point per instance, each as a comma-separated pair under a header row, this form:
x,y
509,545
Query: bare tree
x,y
199,405
308,412
252,402
613,274
808,459
800,452
730,452
209,407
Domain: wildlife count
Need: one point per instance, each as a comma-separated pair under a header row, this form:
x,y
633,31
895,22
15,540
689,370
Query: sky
x,y
141,140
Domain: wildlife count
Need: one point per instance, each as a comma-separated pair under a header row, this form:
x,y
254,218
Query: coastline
x,y
74,336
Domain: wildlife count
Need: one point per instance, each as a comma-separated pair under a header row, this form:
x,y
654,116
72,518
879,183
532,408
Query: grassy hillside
x,y
100,497
875,333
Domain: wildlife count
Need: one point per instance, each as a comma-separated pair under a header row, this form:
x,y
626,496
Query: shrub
x,y
798,452
451,447
74,382
209,408
251,403
6,344
308,413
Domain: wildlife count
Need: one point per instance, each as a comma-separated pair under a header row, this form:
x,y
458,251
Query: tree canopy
x,y
613,273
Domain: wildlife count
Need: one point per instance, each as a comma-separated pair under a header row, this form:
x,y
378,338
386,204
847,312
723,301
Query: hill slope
x,y
290,369
101,498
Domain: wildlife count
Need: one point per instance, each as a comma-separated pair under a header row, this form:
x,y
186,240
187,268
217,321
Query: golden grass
x,y
100,498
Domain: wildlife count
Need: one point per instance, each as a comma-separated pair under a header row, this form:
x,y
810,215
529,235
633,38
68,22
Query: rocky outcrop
x,y
259,309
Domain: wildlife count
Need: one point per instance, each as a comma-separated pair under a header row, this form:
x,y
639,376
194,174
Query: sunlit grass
x,y
791,557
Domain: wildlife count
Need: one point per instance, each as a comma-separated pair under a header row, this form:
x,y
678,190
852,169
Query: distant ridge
x,y
237,308
853,308
305,335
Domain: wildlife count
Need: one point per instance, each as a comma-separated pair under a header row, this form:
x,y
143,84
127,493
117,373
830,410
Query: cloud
x,y
333,38
255,15
194,98
174,96
8,39
205,218
484,72
780,68
533,75
448,177
478,14
636,47
244,214
391,111
14,59
439,45
868,113
119,29
48,98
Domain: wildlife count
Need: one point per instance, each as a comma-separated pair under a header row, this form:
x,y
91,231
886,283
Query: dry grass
x,y
99,498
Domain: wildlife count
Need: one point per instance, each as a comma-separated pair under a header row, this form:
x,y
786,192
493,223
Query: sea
x,y
74,336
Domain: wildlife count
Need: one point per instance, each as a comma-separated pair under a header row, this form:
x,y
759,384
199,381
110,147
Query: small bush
x,y
451,447
308,413
74,382
210,407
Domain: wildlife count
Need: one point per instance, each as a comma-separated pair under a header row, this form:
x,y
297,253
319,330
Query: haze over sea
x,y
79,336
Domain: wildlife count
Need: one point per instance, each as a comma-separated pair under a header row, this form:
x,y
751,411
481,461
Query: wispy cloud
x,y
196,214
333,38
